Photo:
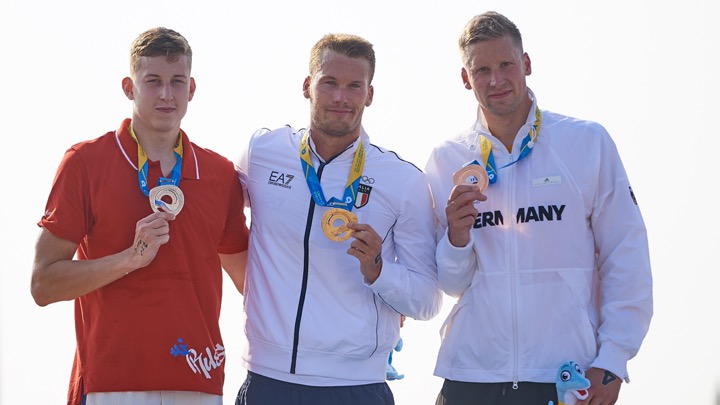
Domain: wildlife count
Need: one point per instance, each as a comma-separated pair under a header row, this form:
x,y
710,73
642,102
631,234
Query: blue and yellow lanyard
x,y
143,165
313,182
525,149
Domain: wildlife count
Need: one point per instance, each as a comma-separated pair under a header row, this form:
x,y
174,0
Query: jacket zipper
x,y
306,271
513,271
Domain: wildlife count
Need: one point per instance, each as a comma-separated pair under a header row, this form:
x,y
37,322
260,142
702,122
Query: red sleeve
x,y
235,236
67,212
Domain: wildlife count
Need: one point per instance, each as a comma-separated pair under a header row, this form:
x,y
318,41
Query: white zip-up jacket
x,y
558,265
311,318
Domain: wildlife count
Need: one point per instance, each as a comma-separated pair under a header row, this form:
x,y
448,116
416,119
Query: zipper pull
x,y
515,385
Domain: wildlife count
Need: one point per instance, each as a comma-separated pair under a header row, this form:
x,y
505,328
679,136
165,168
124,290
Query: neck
x,y
506,127
329,146
157,145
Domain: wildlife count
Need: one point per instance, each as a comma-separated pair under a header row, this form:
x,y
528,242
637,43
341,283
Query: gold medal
x,y
472,174
334,231
177,199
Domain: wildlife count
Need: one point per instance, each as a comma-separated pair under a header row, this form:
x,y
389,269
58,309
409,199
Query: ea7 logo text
x,y
280,179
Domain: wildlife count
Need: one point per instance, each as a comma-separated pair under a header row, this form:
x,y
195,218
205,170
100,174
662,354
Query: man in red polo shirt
x,y
137,227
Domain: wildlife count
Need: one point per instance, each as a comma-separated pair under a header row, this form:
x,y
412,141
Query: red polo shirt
x,y
156,328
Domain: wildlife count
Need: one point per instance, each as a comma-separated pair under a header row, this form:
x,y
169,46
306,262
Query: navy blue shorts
x,y
261,390
467,393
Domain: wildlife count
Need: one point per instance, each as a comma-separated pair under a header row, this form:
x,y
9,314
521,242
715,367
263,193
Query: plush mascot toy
x,y
571,384
390,372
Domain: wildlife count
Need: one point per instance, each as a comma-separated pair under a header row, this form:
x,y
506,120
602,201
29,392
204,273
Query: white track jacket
x,y
310,316
558,266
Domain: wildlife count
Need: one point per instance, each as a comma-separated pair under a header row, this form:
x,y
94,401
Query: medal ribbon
x,y
143,165
525,149
313,182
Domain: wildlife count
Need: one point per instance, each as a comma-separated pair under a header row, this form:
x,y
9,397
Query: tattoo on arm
x,y
608,377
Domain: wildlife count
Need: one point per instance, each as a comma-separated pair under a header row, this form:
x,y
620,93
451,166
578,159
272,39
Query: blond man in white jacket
x,y
550,262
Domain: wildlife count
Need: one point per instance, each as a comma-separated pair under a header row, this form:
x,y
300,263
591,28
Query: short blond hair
x,y
486,26
158,42
349,45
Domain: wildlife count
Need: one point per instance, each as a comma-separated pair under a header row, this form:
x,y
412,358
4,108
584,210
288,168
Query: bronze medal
x,y
177,199
472,174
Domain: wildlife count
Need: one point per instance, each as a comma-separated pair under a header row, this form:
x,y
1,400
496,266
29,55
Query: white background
x,y
644,69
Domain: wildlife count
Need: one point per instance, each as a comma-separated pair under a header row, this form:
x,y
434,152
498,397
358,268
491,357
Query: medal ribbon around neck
x,y
525,149
175,175
313,182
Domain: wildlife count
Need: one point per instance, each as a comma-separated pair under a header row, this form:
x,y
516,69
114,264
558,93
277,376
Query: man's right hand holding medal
x,y
151,232
461,213
367,248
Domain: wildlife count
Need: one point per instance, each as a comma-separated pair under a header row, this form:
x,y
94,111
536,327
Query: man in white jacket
x,y
550,262
342,245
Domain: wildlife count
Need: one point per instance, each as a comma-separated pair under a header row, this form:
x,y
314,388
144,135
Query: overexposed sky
x,y
641,68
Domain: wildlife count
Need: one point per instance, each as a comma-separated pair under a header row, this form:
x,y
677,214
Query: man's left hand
x,y
604,387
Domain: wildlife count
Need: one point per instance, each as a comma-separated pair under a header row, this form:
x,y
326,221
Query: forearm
x,y
456,267
68,279
409,292
625,276
234,265
57,277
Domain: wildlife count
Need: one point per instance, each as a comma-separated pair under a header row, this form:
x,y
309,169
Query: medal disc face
x,y
473,175
177,199
334,224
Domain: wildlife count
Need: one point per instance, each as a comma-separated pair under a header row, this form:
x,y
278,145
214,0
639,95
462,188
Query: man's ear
x,y
527,64
369,99
192,89
127,86
465,79
306,87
